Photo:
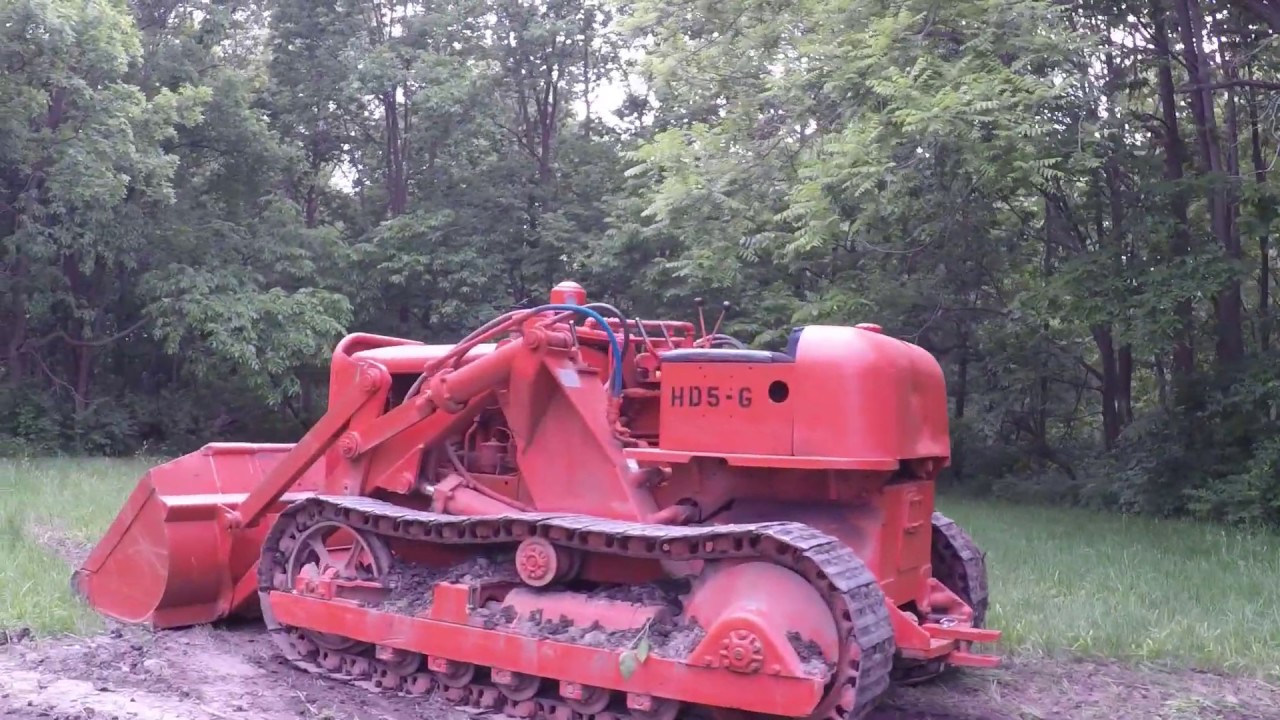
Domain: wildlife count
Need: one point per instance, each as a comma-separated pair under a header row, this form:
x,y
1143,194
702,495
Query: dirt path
x,y
194,674
208,674
1083,690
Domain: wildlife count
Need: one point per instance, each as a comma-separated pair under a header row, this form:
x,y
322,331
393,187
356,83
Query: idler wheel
x,y
541,563
331,547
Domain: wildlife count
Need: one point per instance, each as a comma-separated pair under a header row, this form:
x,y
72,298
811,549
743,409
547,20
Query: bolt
x,y
368,378
349,445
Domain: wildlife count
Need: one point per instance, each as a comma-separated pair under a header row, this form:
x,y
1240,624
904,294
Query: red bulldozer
x,y
573,512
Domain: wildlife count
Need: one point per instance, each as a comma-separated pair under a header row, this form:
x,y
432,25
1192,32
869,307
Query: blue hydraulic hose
x,y
615,385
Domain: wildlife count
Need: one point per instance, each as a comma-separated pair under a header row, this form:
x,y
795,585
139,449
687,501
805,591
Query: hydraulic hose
x,y
611,310
615,384
464,346
478,336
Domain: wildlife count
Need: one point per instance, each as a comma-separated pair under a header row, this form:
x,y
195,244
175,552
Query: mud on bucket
x,y
169,559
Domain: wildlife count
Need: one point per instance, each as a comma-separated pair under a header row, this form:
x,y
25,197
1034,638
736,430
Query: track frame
x,y
470,662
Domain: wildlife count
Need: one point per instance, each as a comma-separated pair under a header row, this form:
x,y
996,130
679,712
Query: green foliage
x,y
630,659
986,178
195,211
198,201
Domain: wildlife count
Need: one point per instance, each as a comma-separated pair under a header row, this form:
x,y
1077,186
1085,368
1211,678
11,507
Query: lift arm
x,y
445,390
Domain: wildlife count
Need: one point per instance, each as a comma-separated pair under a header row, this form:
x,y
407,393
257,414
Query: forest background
x,y
1069,202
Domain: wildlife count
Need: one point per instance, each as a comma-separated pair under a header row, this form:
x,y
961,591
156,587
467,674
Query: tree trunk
x,y
1110,385
84,375
17,330
397,191
1121,387
311,208
1227,302
1124,385
1054,237
1162,383
962,397
17,336
1264,241
1175,154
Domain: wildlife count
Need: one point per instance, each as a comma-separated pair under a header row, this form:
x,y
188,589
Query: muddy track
x,y
856,681
234,673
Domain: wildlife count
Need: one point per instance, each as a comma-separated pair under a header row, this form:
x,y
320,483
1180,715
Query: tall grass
x,y
49,510
1075,582
1063,582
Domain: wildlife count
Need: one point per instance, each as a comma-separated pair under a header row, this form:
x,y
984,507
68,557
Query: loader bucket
x,y
169,559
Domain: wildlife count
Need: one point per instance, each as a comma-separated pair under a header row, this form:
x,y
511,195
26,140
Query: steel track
x,y
958,560
860,677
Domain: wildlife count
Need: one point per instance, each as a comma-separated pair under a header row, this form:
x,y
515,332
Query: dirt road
x,y
233,674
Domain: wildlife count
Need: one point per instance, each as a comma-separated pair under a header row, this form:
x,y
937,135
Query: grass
x,y
1062,581
49,509
1073,582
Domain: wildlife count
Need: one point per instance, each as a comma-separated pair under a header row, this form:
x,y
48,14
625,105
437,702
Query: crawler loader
x,y
573,513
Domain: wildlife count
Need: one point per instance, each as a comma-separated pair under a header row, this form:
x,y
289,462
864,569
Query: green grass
x,y
49,508
1137,589
1062,581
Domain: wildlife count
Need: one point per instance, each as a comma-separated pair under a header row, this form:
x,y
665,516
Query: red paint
x,y
847,437
559,661
170,559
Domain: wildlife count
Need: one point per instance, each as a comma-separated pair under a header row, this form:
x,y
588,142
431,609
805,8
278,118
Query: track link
x,y
961,565
857,681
